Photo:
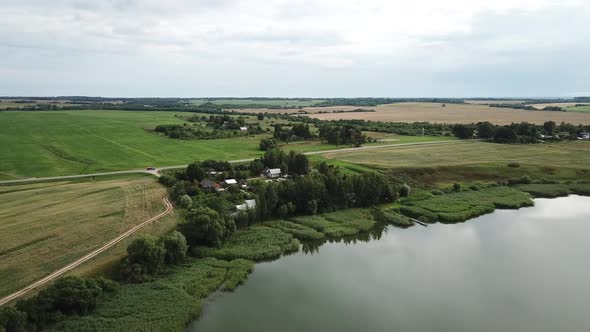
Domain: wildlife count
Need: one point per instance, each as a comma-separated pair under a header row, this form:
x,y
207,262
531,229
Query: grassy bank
x,y
168,303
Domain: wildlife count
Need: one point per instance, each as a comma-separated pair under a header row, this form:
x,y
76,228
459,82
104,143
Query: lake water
x,y
513,270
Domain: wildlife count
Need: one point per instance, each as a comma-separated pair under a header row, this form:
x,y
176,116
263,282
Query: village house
x,y
209,185
243,128
247,205
231,182
584,135
272,172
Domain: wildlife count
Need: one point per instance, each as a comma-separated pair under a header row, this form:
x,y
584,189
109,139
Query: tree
x,y
549,128
186,201
194,171
462,131
12,320
256,166
204,226
260,116
505,134
485,130
267,144
147,252
175,246
297,163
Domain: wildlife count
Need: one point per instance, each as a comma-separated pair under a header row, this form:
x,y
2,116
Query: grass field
x,y
451,113
45,226
583,109
574,154
37,144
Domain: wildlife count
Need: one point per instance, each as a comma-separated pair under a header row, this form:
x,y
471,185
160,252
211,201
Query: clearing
x,y
46,226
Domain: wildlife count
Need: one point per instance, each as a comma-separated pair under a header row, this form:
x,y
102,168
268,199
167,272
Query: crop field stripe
x,y
87,257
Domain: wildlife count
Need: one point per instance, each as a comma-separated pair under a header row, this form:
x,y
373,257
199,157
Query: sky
x,y
295,48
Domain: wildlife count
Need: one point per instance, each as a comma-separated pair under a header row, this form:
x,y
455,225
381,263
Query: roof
x,y
273,171
243,128
248,204
208,184
231,181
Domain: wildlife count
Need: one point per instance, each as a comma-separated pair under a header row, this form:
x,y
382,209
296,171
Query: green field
x,y
575,154
37,144
45,226
585,109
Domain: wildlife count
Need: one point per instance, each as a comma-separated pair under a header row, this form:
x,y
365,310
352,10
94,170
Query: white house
x,y
231,182
248,204
584,135
272,172
243,128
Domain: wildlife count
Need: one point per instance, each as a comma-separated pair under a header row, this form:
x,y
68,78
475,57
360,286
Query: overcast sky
x,y
295,48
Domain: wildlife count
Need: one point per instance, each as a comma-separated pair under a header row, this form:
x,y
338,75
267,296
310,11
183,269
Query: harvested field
x,y
574,154
564,105
47,225
451,113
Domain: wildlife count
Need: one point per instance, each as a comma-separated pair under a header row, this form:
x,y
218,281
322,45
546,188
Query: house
x,y
243,128
210,185
231,182
247,205
272,172
584,135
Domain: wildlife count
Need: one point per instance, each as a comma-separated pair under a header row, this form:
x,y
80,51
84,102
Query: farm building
x,y
247,205
272,172
584,135
231,182
210,185
243,128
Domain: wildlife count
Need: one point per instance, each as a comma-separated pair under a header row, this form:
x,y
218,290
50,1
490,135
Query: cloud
x,y
295,47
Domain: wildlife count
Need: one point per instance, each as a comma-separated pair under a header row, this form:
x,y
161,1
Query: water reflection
x,y
511,270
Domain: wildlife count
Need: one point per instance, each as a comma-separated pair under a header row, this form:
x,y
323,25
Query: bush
x,y
268,143
175,246
145,253
456,187
167,180
514,164
474,187
186,201
437,192
404,190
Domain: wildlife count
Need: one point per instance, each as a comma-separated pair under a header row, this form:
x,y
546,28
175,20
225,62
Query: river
x,y
512,270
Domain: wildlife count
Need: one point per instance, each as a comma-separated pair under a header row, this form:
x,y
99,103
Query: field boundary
x,y
87,257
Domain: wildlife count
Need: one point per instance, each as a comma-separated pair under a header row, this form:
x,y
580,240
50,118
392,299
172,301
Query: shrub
x,y
205,226
456,187
404,190
175,246
186,201
167,180
437,192
474,187
514,164
12,320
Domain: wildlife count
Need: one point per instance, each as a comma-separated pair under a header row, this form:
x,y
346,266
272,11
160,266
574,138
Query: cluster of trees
x,y
515,106
187,132
205,226
523,132
297,132
68,296
147,255
221,121
346,134
380,101
292,163
268,143
322,191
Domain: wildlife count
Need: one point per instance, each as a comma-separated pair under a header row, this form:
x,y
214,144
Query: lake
x,y
512,270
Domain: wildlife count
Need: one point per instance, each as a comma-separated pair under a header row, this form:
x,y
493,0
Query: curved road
x,y
86,257
156,171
